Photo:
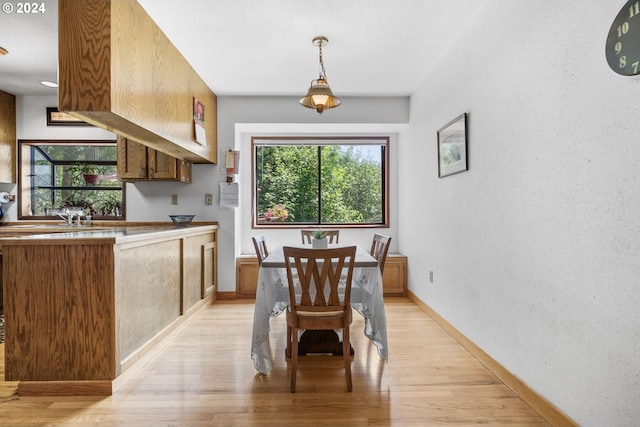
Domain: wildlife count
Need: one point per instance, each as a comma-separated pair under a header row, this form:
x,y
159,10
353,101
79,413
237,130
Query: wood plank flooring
x,y
203,375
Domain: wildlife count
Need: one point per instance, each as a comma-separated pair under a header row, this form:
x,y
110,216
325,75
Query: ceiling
x,y
257,47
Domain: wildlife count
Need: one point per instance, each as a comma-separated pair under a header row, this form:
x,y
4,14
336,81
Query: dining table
x,y
272,299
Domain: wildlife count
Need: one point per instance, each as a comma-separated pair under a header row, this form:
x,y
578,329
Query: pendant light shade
x,y
320,97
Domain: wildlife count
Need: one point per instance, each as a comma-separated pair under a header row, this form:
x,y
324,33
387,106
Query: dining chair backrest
x,y
260,245
379,249
331,235
319,297
317,272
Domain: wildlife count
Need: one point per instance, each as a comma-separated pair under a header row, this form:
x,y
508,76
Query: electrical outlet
x,y
174,199
208,199
430,276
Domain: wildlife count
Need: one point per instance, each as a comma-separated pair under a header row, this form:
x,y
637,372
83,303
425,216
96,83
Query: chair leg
x,y
294,358
287,353
346,351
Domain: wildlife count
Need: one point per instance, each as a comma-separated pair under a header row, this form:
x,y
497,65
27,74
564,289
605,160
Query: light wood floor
x,y
203,375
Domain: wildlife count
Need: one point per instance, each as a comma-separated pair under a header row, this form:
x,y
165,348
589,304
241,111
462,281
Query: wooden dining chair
x,y
331,235
260,245
315,303
380,248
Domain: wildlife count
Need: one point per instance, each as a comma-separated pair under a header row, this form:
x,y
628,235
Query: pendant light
x,y
319,97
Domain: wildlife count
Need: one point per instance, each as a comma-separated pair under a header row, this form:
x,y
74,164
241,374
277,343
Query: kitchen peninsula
x,y
82,306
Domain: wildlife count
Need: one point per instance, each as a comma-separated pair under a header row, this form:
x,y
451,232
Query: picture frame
x,y
452,147
56,117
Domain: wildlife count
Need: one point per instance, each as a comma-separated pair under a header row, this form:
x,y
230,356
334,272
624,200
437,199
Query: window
x,y
321,181
55,175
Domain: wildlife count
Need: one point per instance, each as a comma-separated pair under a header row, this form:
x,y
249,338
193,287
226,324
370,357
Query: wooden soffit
x,y
119,71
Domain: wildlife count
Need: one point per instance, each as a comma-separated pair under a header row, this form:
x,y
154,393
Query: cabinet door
x,y
8,139
394,278
138,162
209,269
161,165
132,160
246,276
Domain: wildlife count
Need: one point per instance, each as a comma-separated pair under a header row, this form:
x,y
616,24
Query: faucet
x,y
67,216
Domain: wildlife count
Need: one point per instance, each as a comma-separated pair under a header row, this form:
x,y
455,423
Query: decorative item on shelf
x,y
320,97
87,173
277,213
181,220
319,240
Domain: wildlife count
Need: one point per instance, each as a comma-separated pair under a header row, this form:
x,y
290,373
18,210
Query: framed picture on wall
x,y
452,147
58,118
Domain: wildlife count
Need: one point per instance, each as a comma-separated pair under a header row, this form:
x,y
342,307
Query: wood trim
x,y
538,403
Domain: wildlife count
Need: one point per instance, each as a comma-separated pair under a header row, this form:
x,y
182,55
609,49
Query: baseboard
x,y
65,388
226,295
541,405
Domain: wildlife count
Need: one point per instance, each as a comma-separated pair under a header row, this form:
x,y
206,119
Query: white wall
x,y
241,117
535,249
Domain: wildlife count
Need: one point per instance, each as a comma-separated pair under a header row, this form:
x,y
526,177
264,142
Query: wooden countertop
x,y
55,234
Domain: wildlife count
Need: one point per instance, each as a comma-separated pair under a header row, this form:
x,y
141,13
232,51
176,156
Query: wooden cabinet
x,y
137,162
7,137
394,278
144,283
119,71
246,276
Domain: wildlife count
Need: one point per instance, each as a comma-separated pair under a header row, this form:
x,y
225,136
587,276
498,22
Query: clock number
x,y
618,47
635,67
623,29
634,9
623,62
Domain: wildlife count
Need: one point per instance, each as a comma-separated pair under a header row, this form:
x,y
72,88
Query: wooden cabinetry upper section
x,y
137,162
118,70
7,137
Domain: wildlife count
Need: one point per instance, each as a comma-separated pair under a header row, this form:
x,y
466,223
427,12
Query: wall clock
x,y
623,42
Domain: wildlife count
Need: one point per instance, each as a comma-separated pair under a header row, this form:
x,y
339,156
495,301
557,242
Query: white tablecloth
x,y
272,298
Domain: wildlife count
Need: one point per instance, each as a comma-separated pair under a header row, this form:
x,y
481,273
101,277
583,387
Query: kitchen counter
x,y
88,234
82,306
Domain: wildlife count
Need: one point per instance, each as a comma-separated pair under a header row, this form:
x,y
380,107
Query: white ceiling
x,y
263,47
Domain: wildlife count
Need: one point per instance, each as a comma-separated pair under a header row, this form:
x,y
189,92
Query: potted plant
x,y
276,213
89,173
319,240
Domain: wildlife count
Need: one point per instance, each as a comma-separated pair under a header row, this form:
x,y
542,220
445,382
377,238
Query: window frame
x,y
304,140
25,171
